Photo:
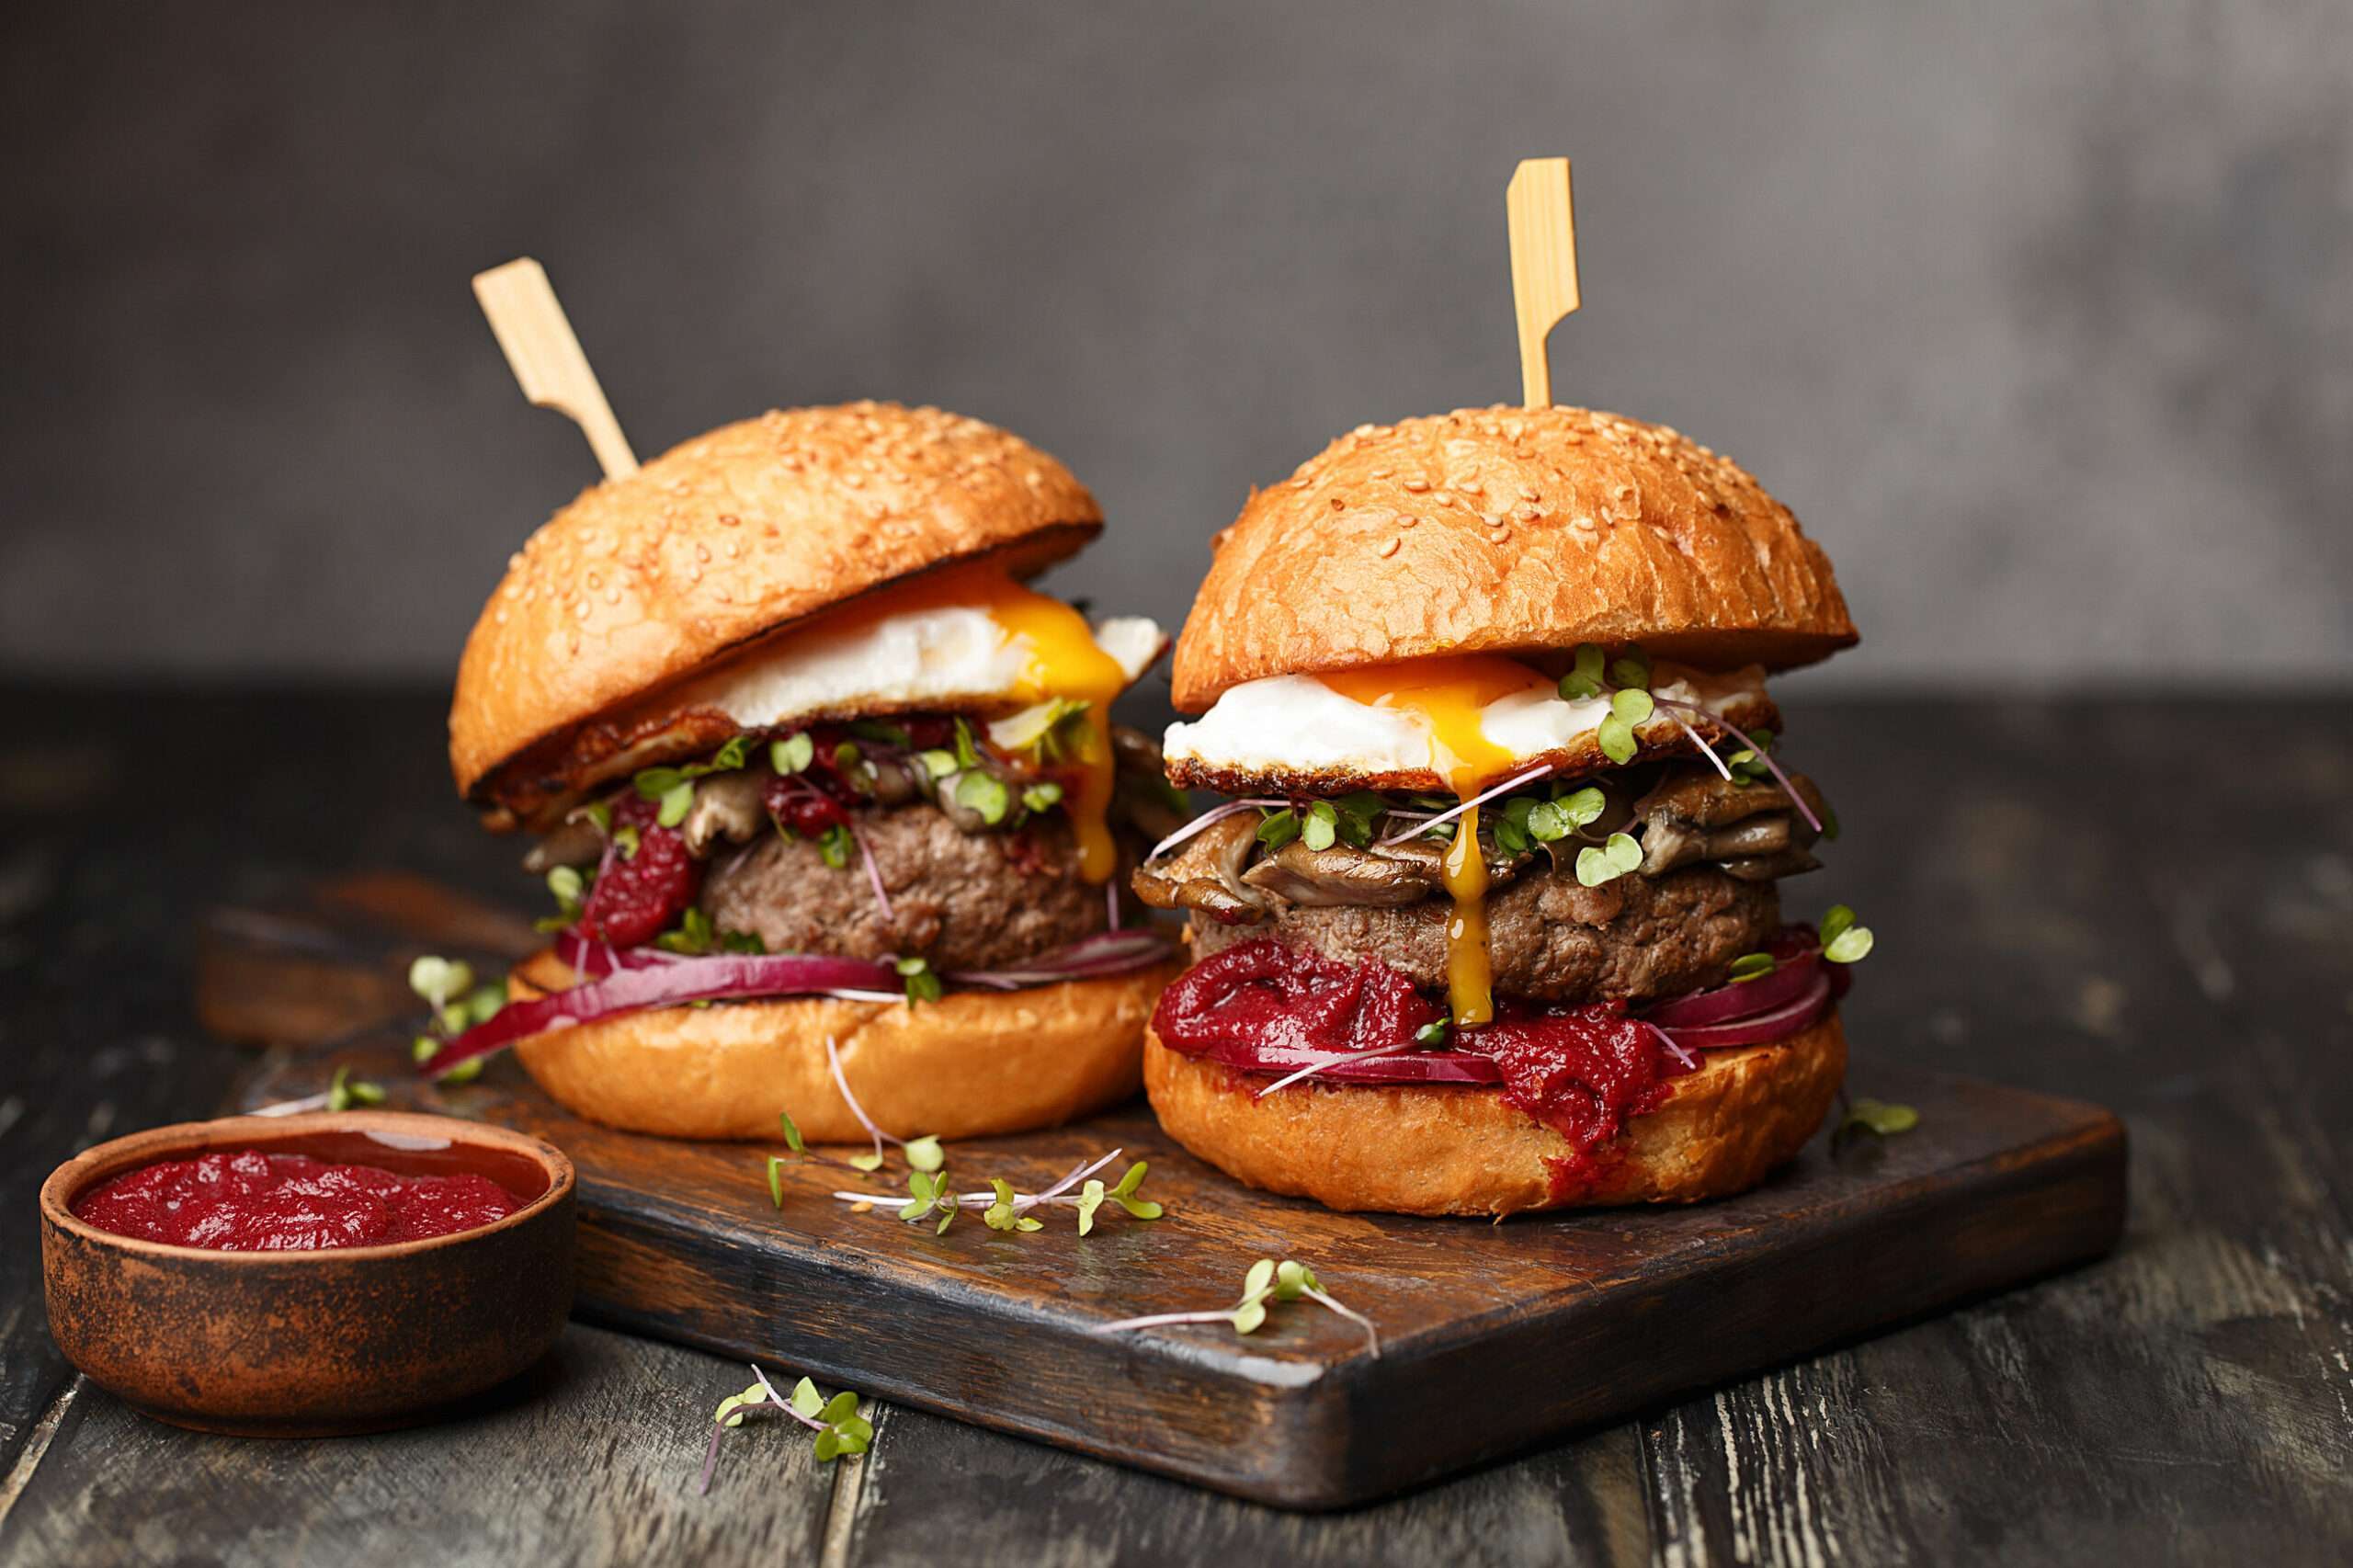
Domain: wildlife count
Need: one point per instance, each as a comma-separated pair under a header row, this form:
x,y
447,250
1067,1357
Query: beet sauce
x,y
250,1201
1579,1070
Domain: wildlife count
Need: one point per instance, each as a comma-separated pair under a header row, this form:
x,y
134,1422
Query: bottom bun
x,y
969,1064
1454,1150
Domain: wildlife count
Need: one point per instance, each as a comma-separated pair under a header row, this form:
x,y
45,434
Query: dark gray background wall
x,y
2041,315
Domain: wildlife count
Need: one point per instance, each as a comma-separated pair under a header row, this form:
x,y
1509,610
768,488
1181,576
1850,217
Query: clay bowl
x,y
314,1344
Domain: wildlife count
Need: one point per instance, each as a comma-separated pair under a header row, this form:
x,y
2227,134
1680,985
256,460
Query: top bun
x,y
729,538
1507,530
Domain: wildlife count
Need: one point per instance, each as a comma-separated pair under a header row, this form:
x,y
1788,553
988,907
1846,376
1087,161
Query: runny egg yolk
x,y
1449,693
1061,658
1065,660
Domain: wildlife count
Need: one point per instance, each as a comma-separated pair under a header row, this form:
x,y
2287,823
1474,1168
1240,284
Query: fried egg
x,y
969,640
1469,720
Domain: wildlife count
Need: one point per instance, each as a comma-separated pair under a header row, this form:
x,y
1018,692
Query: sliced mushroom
x,y
727,805
1383,876
1206,873
1750,830
1319,877
1771,868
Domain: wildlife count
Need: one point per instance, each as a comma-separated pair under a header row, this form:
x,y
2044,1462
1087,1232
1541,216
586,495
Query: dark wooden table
x,y
2146,904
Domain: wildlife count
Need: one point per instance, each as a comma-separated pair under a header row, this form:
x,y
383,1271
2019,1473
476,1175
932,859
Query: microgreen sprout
x,y
1878,1115
570,891
1277,828
984,794
345,1091
1433,1034
1005,1208
437,980
1843,941
446,985
422,1049
793,754
922,1154
1751,966
1265,1281
921,979
1583,679
840,1429
1420,827
1613,859
833,845
1002,1215
1047,728
929,1196
696,936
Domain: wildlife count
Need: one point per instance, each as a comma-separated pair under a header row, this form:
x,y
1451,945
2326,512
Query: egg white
x,y
1298,724
946,657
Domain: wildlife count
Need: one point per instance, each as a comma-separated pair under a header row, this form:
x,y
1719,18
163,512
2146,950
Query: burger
x,y
830,803
1491,920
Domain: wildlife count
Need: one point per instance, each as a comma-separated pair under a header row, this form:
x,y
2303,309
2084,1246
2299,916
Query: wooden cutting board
x,y
1492,1336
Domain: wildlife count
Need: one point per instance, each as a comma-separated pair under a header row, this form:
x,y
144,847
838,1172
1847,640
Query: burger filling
x,y
916,838
1571,927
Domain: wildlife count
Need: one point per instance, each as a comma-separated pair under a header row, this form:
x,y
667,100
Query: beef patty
x,y
1549,938
963,900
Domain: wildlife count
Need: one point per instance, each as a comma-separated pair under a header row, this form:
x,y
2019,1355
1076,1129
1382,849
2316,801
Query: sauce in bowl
x,y
252,1201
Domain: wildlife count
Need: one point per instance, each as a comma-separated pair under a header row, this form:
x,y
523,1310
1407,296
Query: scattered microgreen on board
x,y
839,1427
1265,1281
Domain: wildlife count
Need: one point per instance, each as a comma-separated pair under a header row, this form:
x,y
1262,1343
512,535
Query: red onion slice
x,y
1763,1029
632,979
1742,999
630,989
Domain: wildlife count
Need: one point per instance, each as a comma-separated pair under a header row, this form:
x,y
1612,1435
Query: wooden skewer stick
x,y
1543,265
547,359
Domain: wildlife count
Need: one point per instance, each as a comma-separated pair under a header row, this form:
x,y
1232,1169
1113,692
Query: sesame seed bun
x,y
722,541
1461,1150
967,1065
1507,530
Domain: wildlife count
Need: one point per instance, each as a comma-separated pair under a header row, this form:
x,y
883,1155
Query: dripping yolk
x,y
1449,693
1062,659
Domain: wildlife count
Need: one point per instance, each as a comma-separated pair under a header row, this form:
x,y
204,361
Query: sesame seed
x,y
1388,549
1339,504
1382,472
1417,486
1408,520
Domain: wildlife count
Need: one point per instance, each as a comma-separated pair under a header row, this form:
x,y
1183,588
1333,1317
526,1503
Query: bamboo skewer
x,y
546,357
1543,265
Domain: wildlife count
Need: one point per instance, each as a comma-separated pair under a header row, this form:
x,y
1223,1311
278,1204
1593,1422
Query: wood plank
x,y
2192,1390
997,1499
682,1241
1989,842
593,1456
